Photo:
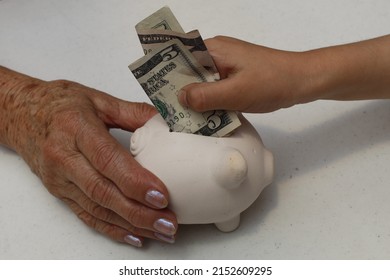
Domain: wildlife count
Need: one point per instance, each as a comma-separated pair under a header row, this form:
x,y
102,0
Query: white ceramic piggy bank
x,y
209,179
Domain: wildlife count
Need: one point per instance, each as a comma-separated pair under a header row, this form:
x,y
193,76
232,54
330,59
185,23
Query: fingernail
x,y
182,98
168,239
165,227
133,240
156,198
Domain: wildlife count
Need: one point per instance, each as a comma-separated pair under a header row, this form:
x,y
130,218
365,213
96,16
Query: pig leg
x,y
229,225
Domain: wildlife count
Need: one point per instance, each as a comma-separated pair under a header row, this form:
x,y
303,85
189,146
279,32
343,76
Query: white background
x,y
330,196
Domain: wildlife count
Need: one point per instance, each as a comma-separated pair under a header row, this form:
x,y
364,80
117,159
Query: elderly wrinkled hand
x,y
60,128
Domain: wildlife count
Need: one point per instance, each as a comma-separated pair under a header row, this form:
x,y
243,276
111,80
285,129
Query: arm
x,y
60,128
354,71
260,79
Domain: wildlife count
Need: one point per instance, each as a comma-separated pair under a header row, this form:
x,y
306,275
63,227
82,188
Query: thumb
x,y
208,96
117,113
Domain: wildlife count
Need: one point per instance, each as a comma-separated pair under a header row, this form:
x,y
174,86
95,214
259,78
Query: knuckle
x,y
105,154
100,226
135,183
53,187
219,38
53,162
215,41
143,109
107,229
139,113
47,164
132,183
61,83
100,212
100,190
87,218
51,153
92,221
136,216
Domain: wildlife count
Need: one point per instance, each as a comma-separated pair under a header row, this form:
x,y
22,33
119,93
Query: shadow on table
x,y
304,151
311,149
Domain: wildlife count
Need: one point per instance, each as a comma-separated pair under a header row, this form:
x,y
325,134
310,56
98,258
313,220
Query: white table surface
x,y
330,196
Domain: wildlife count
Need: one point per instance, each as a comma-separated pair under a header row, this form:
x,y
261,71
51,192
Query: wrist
x,y
330,73
354,71
16,92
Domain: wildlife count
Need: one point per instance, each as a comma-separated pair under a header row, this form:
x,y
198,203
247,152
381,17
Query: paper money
x,y
162,19
162,72
172,60
163,26
152,40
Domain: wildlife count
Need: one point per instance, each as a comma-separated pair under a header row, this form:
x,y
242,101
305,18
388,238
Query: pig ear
x,y
138,140
141,137
231,168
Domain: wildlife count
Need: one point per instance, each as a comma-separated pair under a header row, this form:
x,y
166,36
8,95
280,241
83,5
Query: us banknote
x,y
162,73
151,39
163,26
161,19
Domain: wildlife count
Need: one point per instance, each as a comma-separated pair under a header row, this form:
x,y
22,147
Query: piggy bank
x,y
209,179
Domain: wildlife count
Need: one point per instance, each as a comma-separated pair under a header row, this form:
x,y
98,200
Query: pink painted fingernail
x,y
156,198
164,226
165,238
133,240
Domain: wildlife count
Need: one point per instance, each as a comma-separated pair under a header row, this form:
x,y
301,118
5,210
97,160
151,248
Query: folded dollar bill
x,y
161,19
174,59
152,39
